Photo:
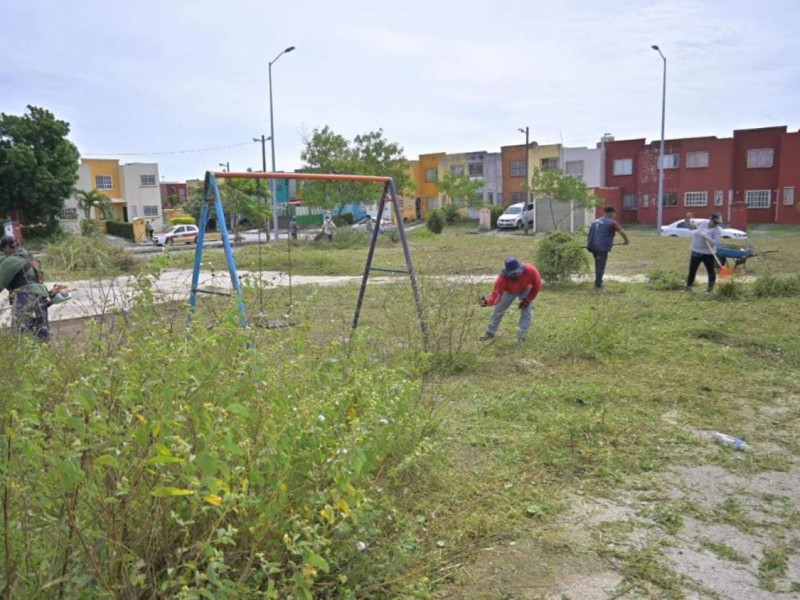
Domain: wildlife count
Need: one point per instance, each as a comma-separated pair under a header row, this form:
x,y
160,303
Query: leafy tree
x,y
240,199
561,255
368,154
556,185
173,200
460,188
436,220
38,166
94,199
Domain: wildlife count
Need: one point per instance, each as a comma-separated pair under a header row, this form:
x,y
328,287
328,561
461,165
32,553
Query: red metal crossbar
x,y
310,176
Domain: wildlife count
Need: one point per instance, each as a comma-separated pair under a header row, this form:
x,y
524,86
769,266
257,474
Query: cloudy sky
x,y
184,82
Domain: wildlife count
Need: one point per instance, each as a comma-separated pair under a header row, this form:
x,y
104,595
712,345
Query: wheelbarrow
x,y
739,256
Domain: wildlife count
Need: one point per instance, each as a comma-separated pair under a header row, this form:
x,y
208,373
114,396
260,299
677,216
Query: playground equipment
x,y
211,194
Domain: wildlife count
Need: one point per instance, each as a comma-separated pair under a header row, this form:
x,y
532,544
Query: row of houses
x,y
750,177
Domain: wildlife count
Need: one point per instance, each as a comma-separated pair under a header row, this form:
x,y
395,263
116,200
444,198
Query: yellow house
x,y
546,156
104,176
452,163
428,190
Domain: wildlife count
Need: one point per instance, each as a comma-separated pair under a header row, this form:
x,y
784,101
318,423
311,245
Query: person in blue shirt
x,y
704,245
599,242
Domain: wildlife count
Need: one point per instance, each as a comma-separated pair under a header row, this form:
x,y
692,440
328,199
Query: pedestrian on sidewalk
x,y
704,245
328,226
293,228
600,240
517,281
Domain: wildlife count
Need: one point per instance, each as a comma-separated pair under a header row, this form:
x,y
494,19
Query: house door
x,y
125,214
418,208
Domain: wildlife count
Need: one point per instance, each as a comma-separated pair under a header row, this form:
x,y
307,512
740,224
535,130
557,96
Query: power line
x,y
163,153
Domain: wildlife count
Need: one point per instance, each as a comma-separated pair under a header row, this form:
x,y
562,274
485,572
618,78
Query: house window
x,y
696,160
147,180
695,199
499,198
134,211
150,210
669,199
103,182
430,175
69,214
457,169
788,196
518,197
629,202
518,168
670,161
491,197
548,164
718,198
645,200
433,203
760,158
181,192
476,169
623,166
478,196
575,168
757,198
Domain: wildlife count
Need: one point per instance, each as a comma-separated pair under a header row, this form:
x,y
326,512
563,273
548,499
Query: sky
x,y
184,83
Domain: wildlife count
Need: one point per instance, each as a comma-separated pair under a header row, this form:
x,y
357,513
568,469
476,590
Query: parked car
x,y
679,229
364,225
516,216
177,233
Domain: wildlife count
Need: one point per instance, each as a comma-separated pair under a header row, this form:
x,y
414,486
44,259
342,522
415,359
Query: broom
x,y
723,270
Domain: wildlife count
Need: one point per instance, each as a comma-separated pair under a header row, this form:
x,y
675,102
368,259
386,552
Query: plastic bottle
x,y
729,440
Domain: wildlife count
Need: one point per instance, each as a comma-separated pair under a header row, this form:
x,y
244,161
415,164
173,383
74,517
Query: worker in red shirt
x,y
517,281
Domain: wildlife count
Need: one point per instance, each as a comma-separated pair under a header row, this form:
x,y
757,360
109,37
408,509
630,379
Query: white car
x,y
364,225
177,233
516,216
679,229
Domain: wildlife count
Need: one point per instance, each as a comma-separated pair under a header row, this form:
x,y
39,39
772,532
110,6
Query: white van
x,y
516,216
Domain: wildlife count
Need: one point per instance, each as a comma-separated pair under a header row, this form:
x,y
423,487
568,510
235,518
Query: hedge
x,y
121,229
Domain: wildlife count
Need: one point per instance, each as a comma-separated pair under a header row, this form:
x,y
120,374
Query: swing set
x,y
211,196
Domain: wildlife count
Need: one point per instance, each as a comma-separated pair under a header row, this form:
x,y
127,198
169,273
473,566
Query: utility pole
x,y
263,139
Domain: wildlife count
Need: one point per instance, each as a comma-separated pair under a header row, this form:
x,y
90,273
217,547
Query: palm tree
x,y
93,198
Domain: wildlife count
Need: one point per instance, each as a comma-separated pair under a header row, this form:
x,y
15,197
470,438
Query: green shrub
x,y
343,220
92,255
729,289
660,279
345,237
90,227
561,255
183,221
146,464
496,210
120,229
770,286
452,213
436,221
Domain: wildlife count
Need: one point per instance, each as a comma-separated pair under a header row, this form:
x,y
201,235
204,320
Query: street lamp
x,y
227,166
660,207
272,140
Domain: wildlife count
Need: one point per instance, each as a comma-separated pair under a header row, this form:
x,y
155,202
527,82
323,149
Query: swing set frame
x,y
211,195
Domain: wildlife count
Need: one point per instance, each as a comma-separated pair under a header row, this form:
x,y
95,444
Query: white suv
x,y
516,216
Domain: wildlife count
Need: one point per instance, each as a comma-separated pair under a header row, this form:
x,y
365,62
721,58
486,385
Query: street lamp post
x,y
526,131
660,206
272,141
227,166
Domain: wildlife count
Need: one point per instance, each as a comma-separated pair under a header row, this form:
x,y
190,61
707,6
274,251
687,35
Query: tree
x,y
94,199
556,185
38,167
368,154
240,199
460,188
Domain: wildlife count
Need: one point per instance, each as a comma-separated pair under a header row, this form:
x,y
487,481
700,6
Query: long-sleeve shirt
x,y
530,281
15,269
704,232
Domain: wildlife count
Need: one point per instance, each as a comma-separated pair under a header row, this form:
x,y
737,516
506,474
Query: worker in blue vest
x,y
601,239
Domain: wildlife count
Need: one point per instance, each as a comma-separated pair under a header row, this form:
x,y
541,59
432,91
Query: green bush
x,y
121,229
436,221
729,289
143,465
344,220
770,286
92,255
183,221
452,213
561,255
90,227
497,210
660,279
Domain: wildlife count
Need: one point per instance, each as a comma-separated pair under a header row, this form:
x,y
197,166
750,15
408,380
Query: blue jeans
x,y
600,260
29,315
525,314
